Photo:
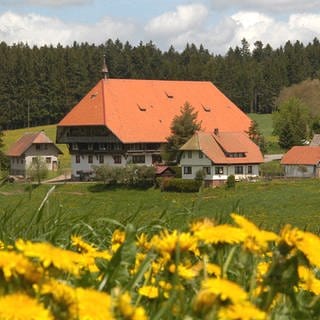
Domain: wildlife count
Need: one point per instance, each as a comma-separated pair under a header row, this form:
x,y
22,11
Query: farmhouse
x,y
28,148
123,121
220,154
302,161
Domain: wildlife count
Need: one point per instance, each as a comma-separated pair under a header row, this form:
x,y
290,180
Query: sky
x,y
216,24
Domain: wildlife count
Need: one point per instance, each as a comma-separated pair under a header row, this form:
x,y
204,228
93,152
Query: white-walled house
x,y
122,121
219,155
28,148
302,162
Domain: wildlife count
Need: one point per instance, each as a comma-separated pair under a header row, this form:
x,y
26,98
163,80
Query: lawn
x,y
266,127
88,209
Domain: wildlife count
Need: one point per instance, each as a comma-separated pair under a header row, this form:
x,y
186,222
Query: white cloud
x,y
255,26
282,6
185,18
39,30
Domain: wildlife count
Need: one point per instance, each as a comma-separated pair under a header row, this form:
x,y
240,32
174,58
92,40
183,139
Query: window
x,y
189,154
102,146
90,158
38,146
249,169
139,159
75,146
207,170
200,155
48,160
45,146
187,170
238,169
77,158
101,158
90,146
117,159
218,170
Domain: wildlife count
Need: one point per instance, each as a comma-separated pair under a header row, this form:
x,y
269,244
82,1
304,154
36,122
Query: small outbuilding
x,y
302,162
30,147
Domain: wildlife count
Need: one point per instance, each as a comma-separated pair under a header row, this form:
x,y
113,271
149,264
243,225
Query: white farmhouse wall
x,y
108,159
299,171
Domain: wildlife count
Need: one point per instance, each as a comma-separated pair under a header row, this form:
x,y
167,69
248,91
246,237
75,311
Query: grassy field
x,y
265,125
91,210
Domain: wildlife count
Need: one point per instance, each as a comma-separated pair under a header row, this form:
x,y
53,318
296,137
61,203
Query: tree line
x,y
39,85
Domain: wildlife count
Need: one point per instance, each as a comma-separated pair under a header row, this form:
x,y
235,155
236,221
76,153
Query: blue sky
x,y
217,24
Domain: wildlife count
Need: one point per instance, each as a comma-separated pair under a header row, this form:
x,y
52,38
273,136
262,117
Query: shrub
x,y
231,181
180,185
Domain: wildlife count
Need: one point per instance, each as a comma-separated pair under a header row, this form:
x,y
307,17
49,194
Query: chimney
x,y
216,131
105,71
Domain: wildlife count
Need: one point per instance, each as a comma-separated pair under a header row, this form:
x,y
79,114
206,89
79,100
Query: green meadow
x,y
93,210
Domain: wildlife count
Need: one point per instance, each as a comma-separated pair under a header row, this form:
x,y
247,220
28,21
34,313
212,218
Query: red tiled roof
x,y
142,110
25,142
214,145
302,155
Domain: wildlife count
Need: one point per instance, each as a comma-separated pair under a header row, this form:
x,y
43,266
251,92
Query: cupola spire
x,y
104,70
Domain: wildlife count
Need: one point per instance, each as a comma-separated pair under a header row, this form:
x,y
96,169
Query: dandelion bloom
x,y
307,242
150,292
216,290
50,255
13,264
256,240
167,243
127,310
93,305
308,281
19,306
241,311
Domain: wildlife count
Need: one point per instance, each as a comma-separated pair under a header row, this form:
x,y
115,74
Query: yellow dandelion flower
x,y
220,234
166,243
256,240
124,305
14,264
308,281
1,245
49,255
117,239
139,314
127,310
213,289
183,271
19,306
93,305
61,293
213,269
306,242
81,245
143,242
243,311
150,292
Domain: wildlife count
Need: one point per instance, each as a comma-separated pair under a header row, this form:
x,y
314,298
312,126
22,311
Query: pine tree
x,y
182,128
256,136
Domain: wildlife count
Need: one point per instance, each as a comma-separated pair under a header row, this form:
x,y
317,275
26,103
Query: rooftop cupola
x,y
104,70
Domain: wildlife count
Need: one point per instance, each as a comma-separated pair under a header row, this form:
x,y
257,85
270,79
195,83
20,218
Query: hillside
x,y
307,91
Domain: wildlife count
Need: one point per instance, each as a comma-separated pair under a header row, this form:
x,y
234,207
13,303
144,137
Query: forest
x,y
39,85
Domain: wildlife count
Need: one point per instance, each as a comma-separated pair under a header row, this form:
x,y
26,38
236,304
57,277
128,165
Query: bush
x,y
180,185
271,169
177,170
231,181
